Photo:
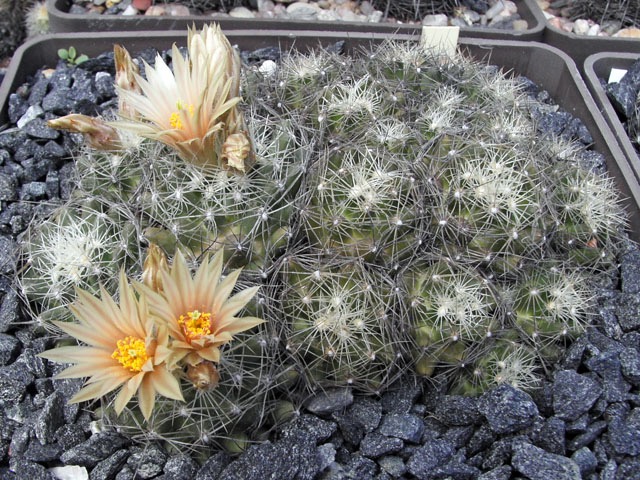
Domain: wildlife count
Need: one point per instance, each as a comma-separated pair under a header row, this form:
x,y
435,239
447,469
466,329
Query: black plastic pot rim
x,y
60,20
547,66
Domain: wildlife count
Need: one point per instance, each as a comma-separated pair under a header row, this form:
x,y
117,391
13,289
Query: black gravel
x,y
584,422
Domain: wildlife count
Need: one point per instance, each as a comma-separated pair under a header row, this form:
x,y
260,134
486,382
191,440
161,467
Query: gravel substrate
x,y
583,423
502,14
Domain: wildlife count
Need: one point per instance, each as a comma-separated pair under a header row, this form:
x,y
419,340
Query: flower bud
x,y
97,133
204,375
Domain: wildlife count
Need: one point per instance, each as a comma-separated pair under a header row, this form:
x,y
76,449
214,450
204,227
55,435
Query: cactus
x,y
400,213
37,19
341,330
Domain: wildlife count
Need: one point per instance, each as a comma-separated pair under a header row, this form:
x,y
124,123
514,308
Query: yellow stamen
x,y
175,119
131,353
195,324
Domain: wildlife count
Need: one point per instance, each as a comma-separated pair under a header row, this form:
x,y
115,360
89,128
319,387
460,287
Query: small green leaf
x,y
72,52
63,54
81,58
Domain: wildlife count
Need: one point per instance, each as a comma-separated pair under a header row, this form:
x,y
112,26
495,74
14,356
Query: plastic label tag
x,y
616,75
440,40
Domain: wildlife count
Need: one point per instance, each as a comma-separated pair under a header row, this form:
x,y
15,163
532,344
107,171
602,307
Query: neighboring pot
x,y
579,47
60,20
598,66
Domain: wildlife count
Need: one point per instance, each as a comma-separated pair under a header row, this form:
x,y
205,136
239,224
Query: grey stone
x,y
607,366
38,128
401,400
326,456
213,466
37,452
624,433
26,470
109,467
352,431
507,409
551,436
375,445
50,419
97,448
592,432
586,461
404,426
314,428
623,97
393,465
59,101
287,459
429,456
630,364
499,453
9,345
609,471
33,191
454,470
630,271
8,186
360,467
628,312
574,394
629,469
104,83
52,185
536,464
180,467
459,436
457,410
17,107
499,473
69,436
38,90
366,412
481,439
329,401
147,462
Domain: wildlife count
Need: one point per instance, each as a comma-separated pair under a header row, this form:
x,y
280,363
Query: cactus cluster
x,y
402,216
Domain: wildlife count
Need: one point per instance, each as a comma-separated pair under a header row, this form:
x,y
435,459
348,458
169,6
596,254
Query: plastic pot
x,y
60,20
579,47
599,66
547,66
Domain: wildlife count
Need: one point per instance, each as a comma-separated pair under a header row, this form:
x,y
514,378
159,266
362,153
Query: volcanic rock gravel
x,y
583,423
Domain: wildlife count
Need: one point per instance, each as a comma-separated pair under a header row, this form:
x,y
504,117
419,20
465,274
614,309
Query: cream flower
x,y
123,349
197,310
192,109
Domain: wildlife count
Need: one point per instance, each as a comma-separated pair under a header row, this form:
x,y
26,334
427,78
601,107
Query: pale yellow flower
x,y
123,349
192,108
197,310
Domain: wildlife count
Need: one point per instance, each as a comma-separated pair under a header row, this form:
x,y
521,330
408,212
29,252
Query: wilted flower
x,y
99,134
154,263
123,349
126,72
197,310
194,108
